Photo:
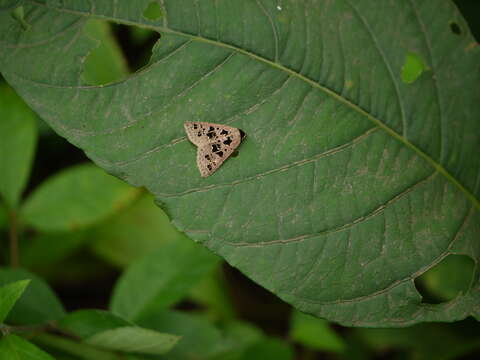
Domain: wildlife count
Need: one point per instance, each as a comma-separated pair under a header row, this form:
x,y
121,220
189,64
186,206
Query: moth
x,y
215,143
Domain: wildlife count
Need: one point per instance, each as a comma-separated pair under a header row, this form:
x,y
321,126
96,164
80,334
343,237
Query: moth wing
x,y
211,156
196,132
229,136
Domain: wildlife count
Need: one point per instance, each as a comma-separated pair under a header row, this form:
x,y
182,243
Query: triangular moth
x,y
215,144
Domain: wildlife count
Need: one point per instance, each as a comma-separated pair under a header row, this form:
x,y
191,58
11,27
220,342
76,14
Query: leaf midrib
x,y
437,166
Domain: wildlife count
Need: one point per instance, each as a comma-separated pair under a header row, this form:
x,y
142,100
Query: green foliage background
x,y
173,299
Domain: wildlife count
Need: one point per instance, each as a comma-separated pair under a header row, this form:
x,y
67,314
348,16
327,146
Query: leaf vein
x,y
272,25
411,277
434,79
307,160
387,66
380,209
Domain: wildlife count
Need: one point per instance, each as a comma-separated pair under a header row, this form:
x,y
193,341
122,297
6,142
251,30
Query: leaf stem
x,y
13,237
72,347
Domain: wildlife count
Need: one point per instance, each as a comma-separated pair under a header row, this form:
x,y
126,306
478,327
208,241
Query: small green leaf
x,y
106,62
134,339
13,347
18,137
133,233
9,294
412,68
73,347
76,198
38,303
200,338
269,348
315,333
86,323
161,278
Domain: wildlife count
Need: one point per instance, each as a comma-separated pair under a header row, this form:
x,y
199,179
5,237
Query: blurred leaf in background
x,y
3,216
135,232
9,294
75,198
163,278
201,339
43,249
315,333
423,342
269,348
86,323
13,347
213,293
38,305
18,138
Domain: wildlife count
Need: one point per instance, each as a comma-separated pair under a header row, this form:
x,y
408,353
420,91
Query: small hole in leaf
x,y
446,280
137,44
455,28
120,51
106,62
412,68
153,11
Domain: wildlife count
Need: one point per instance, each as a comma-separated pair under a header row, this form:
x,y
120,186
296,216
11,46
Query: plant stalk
x,y
13,237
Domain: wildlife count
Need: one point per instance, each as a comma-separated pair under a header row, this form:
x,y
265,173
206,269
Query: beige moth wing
x,y
215,143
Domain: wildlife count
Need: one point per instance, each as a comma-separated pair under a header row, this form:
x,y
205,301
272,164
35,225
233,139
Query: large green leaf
x,y
350,183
